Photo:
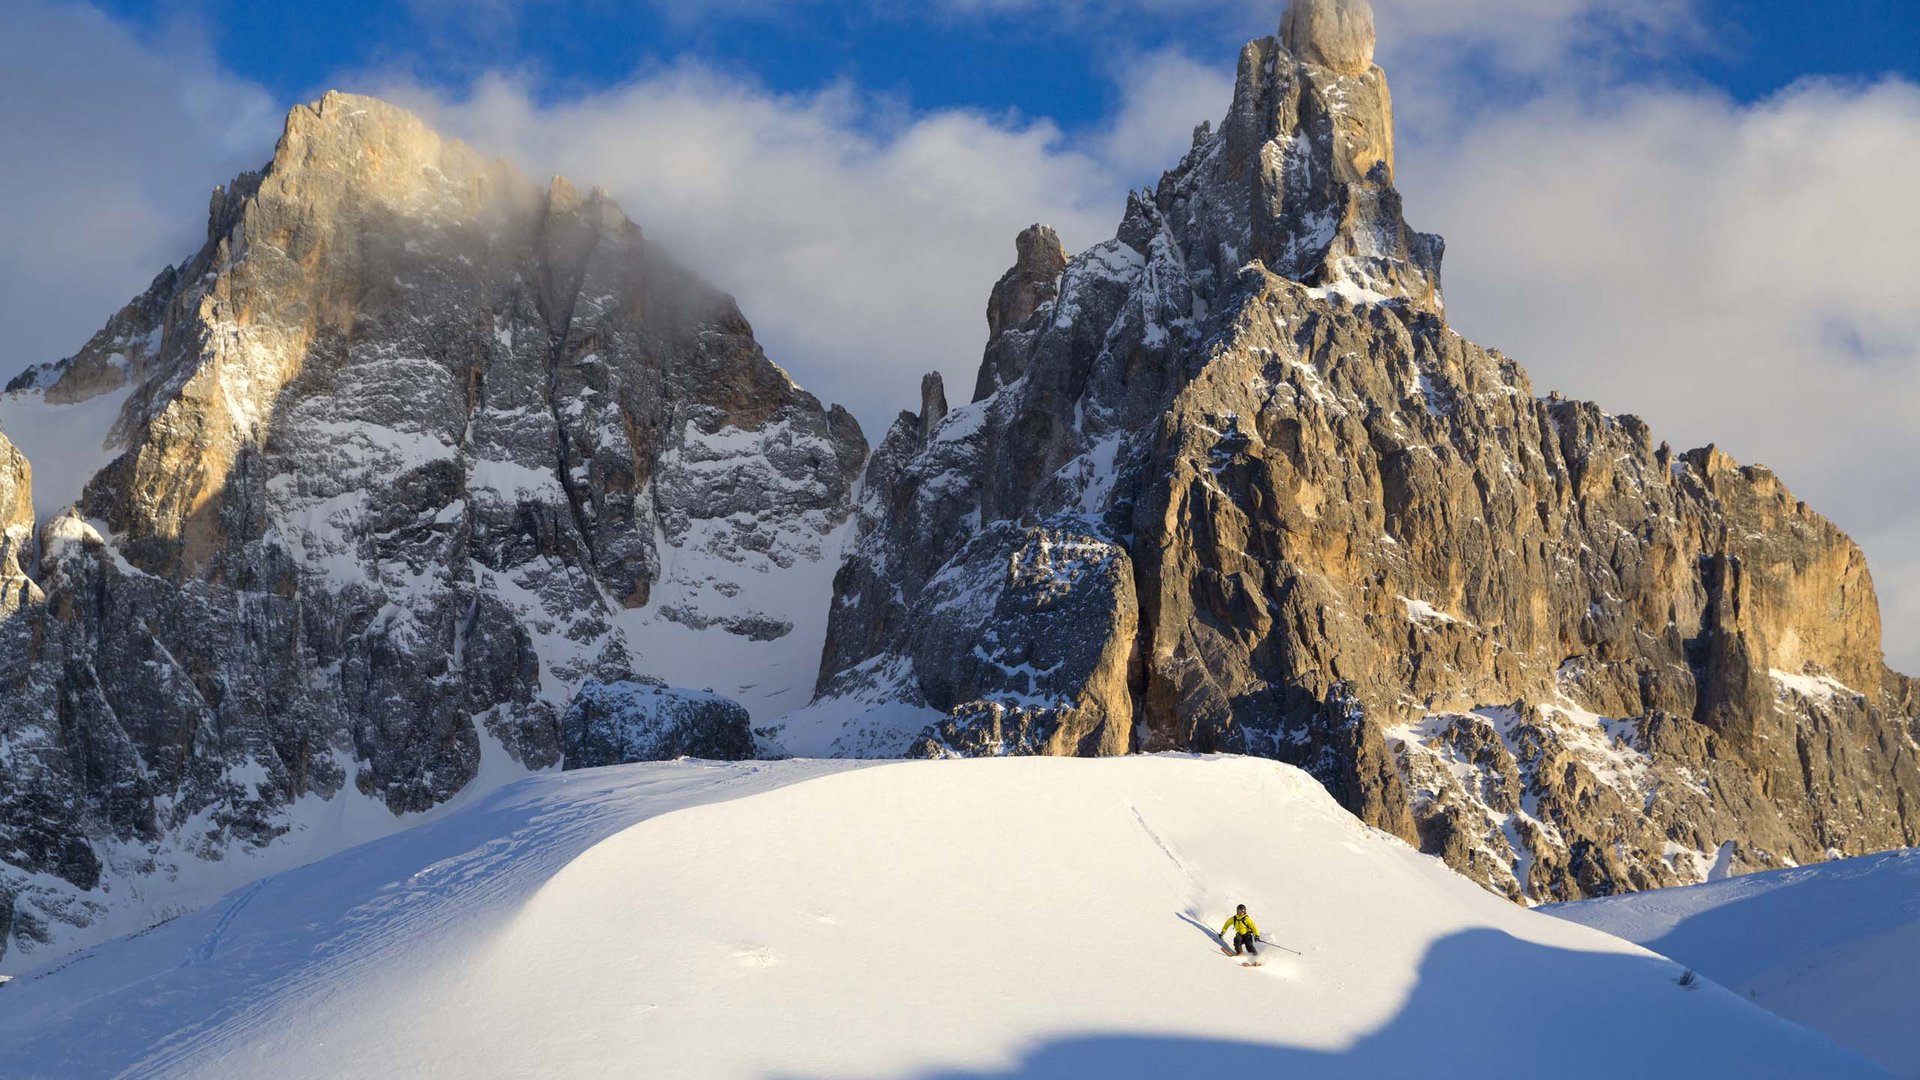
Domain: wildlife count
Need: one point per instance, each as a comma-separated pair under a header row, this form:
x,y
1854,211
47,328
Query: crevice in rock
x,y
559,330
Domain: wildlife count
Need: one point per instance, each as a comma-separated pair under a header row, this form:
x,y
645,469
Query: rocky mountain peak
x,y
933,403
1032,281
1234,485
1312,125
413,450
596,208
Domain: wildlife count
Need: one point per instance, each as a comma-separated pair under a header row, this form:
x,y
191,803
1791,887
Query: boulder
x,y
626,721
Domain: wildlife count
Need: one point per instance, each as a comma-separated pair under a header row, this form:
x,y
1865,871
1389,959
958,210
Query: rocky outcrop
x,y
1033,283
16,518
1245,491
17,593
627,721
1334,34
413,450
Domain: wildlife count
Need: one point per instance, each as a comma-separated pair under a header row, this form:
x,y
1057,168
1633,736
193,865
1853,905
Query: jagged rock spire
x,y
1237,487
1335,34
933,403
1033,282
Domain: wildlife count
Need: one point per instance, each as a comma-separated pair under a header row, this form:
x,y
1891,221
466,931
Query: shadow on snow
x,y
1485,1004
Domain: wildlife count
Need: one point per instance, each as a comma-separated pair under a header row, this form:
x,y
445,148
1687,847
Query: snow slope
x,y
145,883
65,444
1835,947
939,920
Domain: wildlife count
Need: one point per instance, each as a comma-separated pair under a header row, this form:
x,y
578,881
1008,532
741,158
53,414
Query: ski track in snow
x,y
229,911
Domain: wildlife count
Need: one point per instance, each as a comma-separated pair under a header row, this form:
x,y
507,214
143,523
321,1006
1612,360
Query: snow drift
x,y
1835,947
954,919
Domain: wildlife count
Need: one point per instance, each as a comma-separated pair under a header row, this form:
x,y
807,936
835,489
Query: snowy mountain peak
x,y
407,455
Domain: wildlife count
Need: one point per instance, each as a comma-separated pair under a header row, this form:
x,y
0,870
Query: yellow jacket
x,y
1241,924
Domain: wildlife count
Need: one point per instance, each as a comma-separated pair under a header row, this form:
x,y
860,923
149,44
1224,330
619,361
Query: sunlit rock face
x,y
16,528
1336,34
412,449
1234,485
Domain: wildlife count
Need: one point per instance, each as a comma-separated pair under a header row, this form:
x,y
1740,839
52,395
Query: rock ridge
x,y
1235,486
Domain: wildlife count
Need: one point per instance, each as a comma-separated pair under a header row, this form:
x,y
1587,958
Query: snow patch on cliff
x,y
65,444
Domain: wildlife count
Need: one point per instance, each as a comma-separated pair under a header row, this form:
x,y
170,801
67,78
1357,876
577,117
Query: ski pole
x,y
1279,946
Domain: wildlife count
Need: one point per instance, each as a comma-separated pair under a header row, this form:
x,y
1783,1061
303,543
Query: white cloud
x,y
860,238
109,147
1163,96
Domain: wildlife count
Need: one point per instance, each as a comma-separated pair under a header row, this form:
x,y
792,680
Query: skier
x,y
1245,933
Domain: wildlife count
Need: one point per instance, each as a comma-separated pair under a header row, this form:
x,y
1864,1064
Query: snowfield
x,y
65,444
1835,947
954,920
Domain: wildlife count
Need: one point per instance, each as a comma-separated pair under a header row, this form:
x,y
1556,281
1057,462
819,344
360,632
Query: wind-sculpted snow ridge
x,y
1835,947
1231,483
366,490
957,919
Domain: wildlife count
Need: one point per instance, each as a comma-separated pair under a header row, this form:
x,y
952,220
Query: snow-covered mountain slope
x,y
954,919
1835,947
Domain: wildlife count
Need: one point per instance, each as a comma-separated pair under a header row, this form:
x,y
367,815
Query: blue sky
x,y
1698,211
993,56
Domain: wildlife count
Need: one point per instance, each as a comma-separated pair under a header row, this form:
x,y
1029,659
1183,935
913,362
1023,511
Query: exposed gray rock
x,y
1033,283
626,721
1037,621
933,404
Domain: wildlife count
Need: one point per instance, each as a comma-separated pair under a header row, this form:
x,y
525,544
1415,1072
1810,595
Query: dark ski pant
x,y
1246,941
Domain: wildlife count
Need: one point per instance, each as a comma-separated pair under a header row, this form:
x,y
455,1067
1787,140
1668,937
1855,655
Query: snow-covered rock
x,y
627,721
990,919
367,489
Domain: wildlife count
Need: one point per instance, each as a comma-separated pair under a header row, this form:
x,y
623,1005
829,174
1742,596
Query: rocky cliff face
x,y
16,519
1233,485
413,450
